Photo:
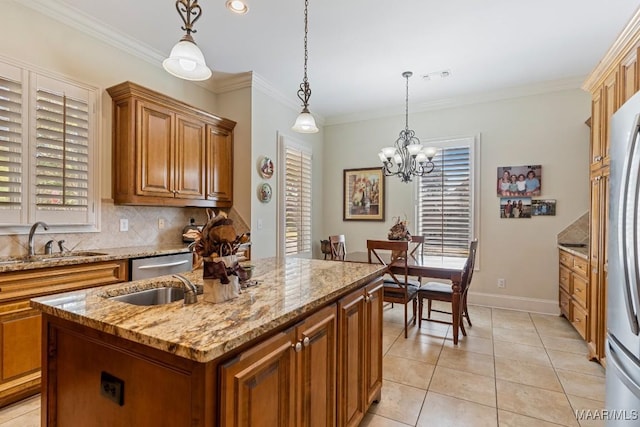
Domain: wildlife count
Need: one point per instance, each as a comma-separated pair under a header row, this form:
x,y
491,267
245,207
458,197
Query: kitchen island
x,y
303,347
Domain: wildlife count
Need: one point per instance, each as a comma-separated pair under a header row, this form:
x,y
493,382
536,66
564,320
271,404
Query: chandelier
x,y
305,123
186,61
408,158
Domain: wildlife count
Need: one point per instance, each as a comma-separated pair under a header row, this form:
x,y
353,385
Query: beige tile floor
x,y
514,369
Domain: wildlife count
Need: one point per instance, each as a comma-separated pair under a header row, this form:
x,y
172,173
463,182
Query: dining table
x,y
427,266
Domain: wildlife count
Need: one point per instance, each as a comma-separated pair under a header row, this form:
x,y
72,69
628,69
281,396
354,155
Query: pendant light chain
x,y
305,123
306,31
406,103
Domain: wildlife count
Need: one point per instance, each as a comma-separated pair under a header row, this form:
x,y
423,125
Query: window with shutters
x,y
446,199
48,169
295,234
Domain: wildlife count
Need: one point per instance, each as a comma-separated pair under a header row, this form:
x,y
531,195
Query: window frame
x,y
285,142
473,142
31,80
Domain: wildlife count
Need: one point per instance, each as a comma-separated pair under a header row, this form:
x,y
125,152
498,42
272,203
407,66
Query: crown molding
x,y
477,98
623,44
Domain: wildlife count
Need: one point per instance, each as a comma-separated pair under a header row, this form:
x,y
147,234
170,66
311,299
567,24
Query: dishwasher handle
x,y
169,264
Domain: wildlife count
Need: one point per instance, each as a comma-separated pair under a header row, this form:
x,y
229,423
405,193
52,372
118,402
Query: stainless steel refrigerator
x,y
623,288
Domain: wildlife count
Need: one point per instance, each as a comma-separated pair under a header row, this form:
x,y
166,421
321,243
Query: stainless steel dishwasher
x,y
160,265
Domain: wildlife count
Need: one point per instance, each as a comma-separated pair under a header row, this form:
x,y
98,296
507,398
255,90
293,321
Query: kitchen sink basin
x,y
155,296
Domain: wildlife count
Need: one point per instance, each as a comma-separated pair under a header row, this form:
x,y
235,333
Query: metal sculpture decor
x,y
186,61
408,158
305,123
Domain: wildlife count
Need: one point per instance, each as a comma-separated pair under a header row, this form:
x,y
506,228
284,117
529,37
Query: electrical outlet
x,y
502,283
124,224
160,223
112,388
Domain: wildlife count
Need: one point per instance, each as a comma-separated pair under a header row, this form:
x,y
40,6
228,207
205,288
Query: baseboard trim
x,y
534,305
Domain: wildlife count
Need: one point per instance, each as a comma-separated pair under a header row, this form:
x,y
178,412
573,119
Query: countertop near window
x,y
81,257
288,289
581,250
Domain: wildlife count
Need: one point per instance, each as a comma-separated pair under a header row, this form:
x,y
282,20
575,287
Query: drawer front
x,y
579,319
565,278
580,290
566,258
581,266
564,304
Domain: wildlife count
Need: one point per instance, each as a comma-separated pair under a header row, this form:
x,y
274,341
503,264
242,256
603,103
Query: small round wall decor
x,y
264,192
266,167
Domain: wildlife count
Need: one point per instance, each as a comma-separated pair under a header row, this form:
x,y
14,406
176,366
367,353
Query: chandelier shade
x,y
186,60
305,123
408,158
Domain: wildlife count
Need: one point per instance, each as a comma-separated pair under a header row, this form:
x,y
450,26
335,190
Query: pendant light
x,y
186,61
408,158
305,123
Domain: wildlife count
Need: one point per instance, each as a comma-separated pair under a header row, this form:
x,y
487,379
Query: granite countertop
x,y
84,256
287,289
581,250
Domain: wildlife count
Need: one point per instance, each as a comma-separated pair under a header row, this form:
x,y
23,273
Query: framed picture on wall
x,y
515,207
363,194
540,207
519,181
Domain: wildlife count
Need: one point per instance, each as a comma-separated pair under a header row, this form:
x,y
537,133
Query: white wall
x,y
545,129
269,119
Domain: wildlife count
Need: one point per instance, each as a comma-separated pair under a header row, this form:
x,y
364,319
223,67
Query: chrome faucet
x,y
32,232
190,289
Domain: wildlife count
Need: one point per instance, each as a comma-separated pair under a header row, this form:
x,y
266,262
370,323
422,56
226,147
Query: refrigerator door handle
x,y
627,228
616,350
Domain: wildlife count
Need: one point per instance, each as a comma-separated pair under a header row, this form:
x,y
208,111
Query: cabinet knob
x,y
306,341
297,347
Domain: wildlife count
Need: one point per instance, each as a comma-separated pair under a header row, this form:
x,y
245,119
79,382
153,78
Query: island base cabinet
x,y
257,385
360,353
83,374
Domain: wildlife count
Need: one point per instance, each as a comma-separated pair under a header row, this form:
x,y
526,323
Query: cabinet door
x,y
189,158
257,386
610,105
219,172
20,350
316,369
629,75
373,355
351,359
596,131
154,149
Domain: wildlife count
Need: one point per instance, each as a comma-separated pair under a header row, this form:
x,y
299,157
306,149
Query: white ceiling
x,y
358,49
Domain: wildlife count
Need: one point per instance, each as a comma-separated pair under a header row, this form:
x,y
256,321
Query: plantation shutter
x,y
12,149
297,203
445,203
62,127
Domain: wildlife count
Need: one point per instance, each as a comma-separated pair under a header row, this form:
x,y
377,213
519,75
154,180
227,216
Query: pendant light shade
x,y
186,60
305,123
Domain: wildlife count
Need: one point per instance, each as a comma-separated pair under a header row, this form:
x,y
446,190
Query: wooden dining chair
x,y
338,246
437,291
398,287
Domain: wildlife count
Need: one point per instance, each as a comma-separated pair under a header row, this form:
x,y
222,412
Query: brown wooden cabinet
x,y
359,353
299,362
574,291
167,153
614,80
20,325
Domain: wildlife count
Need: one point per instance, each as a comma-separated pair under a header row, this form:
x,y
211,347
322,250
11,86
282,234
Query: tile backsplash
x,y
577,232
143,229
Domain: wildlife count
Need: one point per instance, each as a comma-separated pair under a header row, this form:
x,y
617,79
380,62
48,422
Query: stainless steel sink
x,y
155,296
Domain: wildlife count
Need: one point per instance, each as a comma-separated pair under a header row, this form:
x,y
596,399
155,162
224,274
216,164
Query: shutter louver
x,y
445,205
11,145
62,147
297,201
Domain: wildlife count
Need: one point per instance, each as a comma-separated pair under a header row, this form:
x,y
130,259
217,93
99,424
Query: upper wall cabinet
x,y
167,153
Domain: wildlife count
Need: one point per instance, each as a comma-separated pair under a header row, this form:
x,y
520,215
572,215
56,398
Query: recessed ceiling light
x,y
437,75
237,6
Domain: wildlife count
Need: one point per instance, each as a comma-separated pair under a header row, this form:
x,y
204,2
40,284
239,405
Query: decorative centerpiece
x,y
399,231
217,246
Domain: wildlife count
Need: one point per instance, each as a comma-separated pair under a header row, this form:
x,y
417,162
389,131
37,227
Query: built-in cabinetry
x,y
574,291
324,363
167,153
615,79
20,325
